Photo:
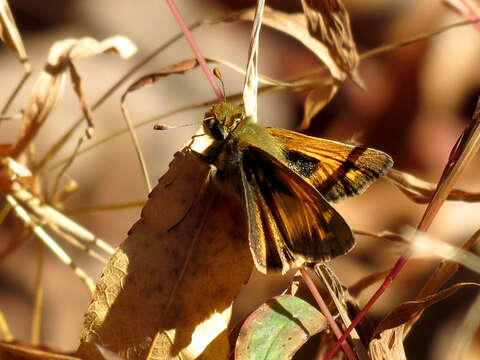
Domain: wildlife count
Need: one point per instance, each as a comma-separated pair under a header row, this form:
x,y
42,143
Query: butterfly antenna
x,y
160,126
218,75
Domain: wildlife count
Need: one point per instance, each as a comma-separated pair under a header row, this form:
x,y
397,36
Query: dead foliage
x,y
169,290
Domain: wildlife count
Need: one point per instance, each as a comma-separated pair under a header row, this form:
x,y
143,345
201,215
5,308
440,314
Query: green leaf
x,y
278,328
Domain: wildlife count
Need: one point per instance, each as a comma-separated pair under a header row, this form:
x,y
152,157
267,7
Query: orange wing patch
x,y
290,223
335,169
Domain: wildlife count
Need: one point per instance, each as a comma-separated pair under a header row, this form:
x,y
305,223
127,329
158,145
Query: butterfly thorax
x,y
221,119
233,133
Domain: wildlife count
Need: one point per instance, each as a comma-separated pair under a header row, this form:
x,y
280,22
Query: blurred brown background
x,y
418,100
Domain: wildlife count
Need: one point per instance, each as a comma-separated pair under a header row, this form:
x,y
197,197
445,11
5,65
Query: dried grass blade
x,y
53,216
424,245
10,35
410,309
65,167
136,144
461,155
250,88
70,239
47,240
445,270
421,191
80,91
48,88
38,302
97,208
15,92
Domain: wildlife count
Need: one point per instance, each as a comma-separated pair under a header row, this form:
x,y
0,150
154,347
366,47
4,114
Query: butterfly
x,y
285,180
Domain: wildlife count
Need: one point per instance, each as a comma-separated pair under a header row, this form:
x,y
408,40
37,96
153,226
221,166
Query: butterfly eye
x,y
215,129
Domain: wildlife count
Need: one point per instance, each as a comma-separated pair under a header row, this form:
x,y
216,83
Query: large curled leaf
x,y
167,291
278,328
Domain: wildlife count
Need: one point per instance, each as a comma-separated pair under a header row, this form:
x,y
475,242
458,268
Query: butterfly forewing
x,y
335,169
289,221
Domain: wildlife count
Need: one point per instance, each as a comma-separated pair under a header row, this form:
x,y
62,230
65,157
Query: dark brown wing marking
x,y
335,169
289,221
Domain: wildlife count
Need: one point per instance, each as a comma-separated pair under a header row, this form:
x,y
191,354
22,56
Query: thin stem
x,y
196,50
324,309
138,149
38,304
15,92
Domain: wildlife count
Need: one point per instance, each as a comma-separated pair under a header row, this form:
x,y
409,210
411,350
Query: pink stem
x,y
324,309
388,280
196,50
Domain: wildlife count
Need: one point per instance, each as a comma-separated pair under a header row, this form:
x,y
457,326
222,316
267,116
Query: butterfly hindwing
x,y
335,169
289,221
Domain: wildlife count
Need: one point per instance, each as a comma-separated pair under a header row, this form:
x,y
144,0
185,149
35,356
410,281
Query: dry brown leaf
x,y
316,101
181,67
388,346
185,66
329,22
48,88
10,35
17,351
167,291
294,25
443,273
421,191
411,309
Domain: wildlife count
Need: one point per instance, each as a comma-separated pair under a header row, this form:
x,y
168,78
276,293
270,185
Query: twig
x,y
324,309
195,49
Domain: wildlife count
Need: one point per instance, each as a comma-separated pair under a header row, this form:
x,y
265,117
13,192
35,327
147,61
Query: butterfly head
x,y
221,119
